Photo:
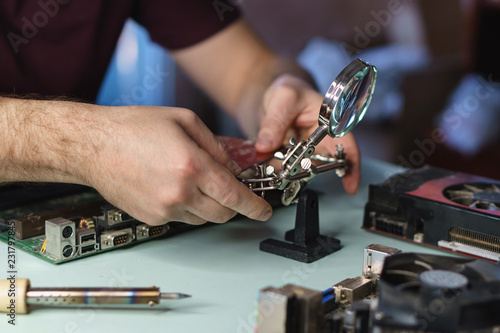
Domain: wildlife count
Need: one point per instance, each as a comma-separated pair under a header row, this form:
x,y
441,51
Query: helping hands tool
x,y
344,105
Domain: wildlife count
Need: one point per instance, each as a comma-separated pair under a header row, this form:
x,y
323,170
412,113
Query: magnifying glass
x,y
346,101
348,97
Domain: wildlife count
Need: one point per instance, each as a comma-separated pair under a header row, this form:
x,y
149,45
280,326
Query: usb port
x,y
87,249
84,235
86,238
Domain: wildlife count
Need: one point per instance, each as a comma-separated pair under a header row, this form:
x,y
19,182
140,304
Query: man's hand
x,y
163,164
291,108
158,164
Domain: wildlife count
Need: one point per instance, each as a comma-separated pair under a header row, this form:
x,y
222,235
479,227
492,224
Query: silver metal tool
x,y
101,296
25,296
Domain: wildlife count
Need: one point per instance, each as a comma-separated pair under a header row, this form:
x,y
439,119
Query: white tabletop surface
x,y
221,266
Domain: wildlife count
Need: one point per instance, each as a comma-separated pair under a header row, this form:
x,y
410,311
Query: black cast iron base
x,y
304,243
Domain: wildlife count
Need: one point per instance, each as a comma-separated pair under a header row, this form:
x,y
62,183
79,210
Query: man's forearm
x,y
45,140
235,68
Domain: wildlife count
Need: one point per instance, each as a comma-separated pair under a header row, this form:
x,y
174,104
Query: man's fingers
x,y
221,195
227,191
207,141
352,178
179,214
210,210
193,219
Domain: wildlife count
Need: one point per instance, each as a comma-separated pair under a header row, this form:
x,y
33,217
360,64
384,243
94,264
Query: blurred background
x,y
437,99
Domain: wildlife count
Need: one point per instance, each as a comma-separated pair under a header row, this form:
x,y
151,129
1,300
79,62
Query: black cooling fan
x,y
481,195
431,293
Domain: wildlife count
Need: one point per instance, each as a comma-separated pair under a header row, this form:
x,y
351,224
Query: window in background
x,y
140,73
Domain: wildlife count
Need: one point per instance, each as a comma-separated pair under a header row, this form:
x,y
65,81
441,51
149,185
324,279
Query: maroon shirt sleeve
x,y
179,24
63,47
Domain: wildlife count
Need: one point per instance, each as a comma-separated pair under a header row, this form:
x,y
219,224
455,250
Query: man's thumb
x,y
267,140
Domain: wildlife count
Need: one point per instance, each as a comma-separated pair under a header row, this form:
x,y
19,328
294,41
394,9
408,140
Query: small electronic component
x,y
87,223
78,297
113,216
373,259
290,309
61,238
145,231
116,238
353,289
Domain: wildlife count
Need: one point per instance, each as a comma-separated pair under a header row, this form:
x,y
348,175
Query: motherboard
x,y
64,222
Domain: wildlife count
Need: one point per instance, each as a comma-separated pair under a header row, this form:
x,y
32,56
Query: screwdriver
x,y
17,295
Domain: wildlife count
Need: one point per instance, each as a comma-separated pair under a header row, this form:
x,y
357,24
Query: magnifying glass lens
x,y
348,98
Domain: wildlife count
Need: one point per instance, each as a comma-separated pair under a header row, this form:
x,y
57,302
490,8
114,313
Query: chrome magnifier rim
x,y
343,107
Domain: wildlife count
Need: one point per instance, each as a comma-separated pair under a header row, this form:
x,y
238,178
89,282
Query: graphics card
x,y
449,210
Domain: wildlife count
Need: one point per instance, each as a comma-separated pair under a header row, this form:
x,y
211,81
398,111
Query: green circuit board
x,y
74,226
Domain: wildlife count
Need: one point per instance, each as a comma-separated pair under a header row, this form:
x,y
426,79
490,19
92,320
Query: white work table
x,y
221,266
